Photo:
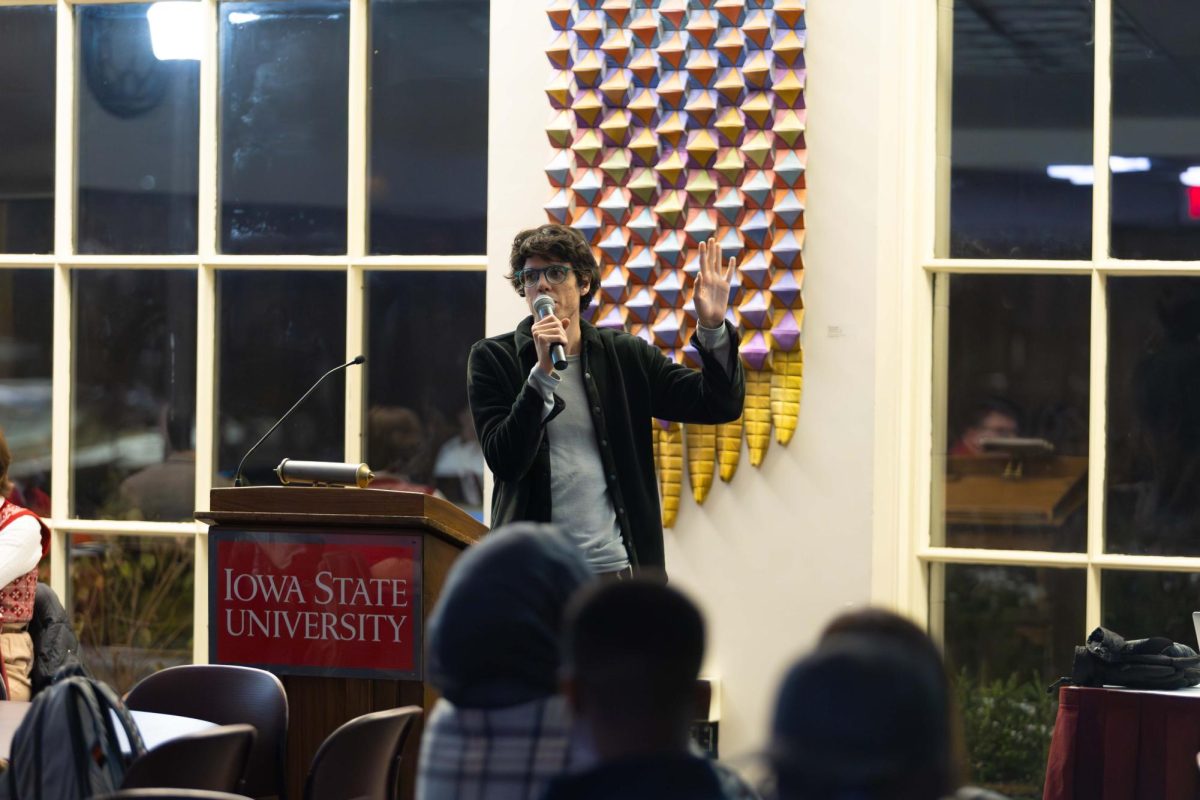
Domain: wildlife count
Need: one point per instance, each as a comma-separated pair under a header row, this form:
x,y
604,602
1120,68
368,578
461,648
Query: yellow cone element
x,y
701,457
787,383
729,448
670,470
758,413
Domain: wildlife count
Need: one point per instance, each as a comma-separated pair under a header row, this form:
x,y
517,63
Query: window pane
x,y
429,109
420,436
1155,112
1153,416
1015,431
1141,604
27,47
132,599
284,73
1021,129
1010,632
26,355
279,332
132,450
139,128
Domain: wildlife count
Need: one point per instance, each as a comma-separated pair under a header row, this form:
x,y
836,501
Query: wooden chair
x,y
362,757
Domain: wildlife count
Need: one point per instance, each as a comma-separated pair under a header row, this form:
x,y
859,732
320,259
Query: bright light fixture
x,y
242,17
1085,174
1190,176
175,30
1077,174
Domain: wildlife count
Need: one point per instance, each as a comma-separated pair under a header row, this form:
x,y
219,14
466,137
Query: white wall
x,y
773,555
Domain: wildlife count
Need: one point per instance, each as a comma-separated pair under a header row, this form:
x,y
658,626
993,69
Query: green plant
x,y
1007,724
133,598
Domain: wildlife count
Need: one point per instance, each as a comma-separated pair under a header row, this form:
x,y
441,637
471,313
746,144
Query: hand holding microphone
x,y
549,335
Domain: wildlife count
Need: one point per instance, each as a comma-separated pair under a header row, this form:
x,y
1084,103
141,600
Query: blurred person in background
x,y
24,539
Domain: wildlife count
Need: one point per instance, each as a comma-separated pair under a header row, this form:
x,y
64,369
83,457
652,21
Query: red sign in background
x,y
316,604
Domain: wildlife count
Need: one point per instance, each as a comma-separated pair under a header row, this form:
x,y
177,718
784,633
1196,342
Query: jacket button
x,y
596,409
612,476
621,511
604,442
587,375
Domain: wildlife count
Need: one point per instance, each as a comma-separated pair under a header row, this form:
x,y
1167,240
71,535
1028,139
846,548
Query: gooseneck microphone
x,y
543,307
237,476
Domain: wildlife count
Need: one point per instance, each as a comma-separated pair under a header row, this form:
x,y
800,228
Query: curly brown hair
x,y
560,243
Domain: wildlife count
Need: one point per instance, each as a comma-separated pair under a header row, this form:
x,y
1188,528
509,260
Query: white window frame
x,y
207,263
911,352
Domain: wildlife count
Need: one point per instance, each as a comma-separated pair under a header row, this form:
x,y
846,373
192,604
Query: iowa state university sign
x,y
334,604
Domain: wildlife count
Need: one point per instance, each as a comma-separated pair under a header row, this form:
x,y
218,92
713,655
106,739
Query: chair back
x,y
227,695
213,759
362,757
171,794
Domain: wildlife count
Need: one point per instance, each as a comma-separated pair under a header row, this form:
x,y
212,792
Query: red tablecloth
x,y
1115,744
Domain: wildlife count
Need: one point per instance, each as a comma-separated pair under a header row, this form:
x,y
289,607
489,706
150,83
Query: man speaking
x,y
563,409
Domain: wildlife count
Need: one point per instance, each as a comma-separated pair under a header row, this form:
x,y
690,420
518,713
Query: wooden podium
x,y
329,588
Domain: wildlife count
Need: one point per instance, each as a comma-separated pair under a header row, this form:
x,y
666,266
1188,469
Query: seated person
x,y
632,654
458,469
501,730
902,634
993,418
396,448
24,539
165,491
862,718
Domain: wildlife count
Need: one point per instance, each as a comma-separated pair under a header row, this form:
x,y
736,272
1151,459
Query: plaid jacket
x,y
495,754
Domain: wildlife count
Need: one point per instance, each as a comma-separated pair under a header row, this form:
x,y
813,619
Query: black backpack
x,y
69,745
1154,663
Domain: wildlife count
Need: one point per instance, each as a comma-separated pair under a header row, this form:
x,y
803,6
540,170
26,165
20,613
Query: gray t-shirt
x,y
579,499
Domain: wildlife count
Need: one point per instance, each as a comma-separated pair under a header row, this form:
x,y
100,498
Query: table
x,y
1121,744
155,728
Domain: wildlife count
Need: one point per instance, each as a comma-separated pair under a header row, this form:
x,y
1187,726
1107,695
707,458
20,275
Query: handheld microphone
x,y
543,307
237,476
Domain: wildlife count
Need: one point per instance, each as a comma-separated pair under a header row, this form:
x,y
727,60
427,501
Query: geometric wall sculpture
x,y
674,121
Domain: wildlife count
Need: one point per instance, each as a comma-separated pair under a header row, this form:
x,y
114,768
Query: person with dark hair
x,y
865,719
574,446
24,539
501,730
990,418
900,633
631,656
166,491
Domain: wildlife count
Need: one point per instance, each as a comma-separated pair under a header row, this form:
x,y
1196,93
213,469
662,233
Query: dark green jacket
x,y
629,383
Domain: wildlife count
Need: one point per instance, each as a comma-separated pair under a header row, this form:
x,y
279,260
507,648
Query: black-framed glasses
x,y
555,274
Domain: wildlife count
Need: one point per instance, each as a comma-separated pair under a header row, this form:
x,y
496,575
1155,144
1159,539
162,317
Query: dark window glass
x,y
279,332
1156,168
139,128
1009,633
132,599
132,450
26,355
284,72
1017,412
27,47
1022,116
1153,463
429,109
420,436
1141,604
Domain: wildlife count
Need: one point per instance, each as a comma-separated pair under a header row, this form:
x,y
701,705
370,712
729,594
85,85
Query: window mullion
x,y
1101,205
355,377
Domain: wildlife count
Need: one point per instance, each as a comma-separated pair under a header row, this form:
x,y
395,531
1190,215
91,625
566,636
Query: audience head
x,y
632,654
990,418
862,718
493,637
6,486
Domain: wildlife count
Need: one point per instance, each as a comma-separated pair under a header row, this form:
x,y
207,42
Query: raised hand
x,y
711,292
